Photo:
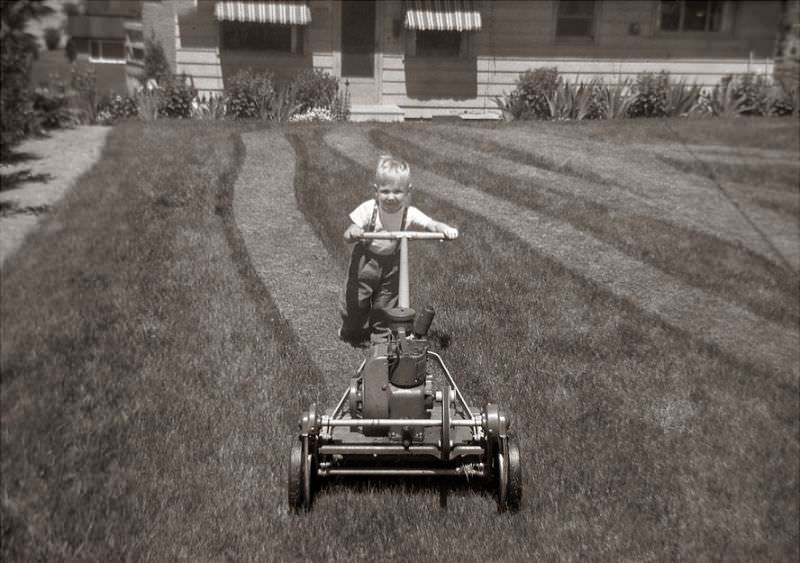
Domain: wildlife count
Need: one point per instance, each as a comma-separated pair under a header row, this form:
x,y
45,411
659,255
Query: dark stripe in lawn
x,y
697,259
789,209
638,440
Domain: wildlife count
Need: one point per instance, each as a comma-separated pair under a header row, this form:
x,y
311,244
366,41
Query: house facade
x,y
96,30
453,57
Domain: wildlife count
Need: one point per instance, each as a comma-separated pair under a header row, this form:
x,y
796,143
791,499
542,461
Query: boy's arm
x,y
352,233
449,232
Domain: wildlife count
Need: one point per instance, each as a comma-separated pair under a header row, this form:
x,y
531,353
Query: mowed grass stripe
x,y
638,441
721,154
733,329
289,257
621,164
616,217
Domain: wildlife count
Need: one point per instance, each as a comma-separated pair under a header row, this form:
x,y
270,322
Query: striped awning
x,y
442,15
286,12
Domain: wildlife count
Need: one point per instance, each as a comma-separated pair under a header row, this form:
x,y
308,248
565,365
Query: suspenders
x,y
373,219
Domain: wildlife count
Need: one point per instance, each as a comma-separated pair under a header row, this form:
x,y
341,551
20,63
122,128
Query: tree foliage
x,y
52,38
156,65
17,49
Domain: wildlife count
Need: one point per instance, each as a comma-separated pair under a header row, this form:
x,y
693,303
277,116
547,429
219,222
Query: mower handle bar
x,y
403,237
397,235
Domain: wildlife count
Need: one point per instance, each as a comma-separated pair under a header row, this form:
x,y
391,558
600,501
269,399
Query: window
x,y
693,15
240,36
438,43
106,50
134,45
575,18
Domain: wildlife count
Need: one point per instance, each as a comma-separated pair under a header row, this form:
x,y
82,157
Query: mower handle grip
x,y
397,235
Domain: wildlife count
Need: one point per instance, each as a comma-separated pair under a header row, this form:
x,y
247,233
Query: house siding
x,y
507,45
515,36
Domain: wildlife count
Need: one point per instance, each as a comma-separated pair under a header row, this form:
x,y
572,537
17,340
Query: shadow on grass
x,y
13,157
436,488
9,208
15,180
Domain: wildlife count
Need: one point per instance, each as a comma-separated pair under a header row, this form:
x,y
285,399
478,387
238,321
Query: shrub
x,y
614,102
212,108
175,98
575,101
511,105
651,92
52,38
71,50
249,94
751,94
781,103
533,88
51,106
723,100
753,89
116,107
147,103
680,98
284,104
341,104
16,111
155,63
315,89
83,81
17,48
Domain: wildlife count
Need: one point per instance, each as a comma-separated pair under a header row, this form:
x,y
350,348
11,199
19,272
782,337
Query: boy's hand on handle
x,y
450,233
353,233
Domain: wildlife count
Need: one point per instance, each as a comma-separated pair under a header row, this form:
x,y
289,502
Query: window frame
x,y
727,22
591,38
134,46
102,59
296,40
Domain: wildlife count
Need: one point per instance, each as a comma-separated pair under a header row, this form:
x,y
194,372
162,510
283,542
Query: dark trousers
x,y
371,288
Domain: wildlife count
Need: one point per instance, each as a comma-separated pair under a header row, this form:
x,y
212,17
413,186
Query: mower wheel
x,y
296,495
509,475
514,491
501,477
308,474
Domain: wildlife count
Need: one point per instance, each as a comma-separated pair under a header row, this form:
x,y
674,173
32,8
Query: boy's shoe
x,y
356,341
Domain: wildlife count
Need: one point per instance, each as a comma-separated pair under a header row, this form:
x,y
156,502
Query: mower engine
x,y
394,381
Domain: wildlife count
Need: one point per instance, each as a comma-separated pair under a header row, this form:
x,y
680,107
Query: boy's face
x,y
393,194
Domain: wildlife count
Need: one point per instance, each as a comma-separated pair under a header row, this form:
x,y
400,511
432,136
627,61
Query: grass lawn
x,y
151,387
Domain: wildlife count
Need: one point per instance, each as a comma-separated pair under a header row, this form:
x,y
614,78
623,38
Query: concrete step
x,y
376,112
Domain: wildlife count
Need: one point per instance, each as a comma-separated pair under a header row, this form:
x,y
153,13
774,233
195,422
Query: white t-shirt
x,y
362,214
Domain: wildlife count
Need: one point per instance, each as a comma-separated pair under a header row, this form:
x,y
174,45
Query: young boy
x,y
373,274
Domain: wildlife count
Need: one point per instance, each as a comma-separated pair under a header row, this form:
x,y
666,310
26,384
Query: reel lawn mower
x,y
403,415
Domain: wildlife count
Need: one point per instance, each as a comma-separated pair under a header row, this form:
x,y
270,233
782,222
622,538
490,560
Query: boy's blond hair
x,y
392,168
